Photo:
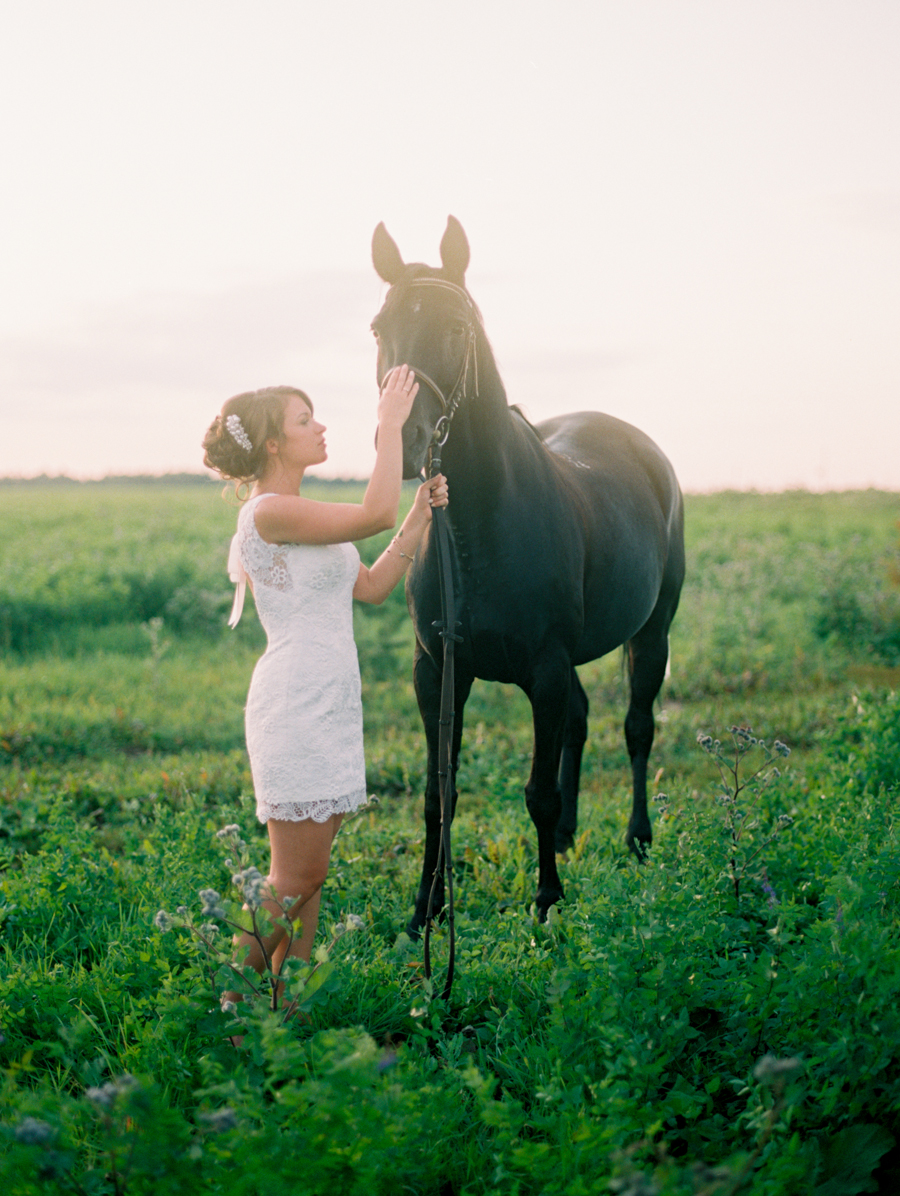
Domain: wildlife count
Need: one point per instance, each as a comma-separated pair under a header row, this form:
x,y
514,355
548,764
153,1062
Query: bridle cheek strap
x,y
449,403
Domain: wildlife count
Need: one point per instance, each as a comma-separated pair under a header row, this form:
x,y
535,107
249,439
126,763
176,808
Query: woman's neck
x,y
277,482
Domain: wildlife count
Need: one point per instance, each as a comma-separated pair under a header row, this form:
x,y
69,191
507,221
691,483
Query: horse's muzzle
x,y
415,448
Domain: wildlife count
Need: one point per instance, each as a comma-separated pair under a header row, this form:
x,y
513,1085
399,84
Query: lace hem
x,y
318,811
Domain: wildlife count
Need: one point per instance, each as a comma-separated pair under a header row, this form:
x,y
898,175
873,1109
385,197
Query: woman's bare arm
x,y
293,519
375,583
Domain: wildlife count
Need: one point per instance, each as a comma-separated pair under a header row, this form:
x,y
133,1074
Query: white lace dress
x,y
304,709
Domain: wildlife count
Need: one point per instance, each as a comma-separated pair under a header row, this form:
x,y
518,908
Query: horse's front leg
x,y
427,676
549,694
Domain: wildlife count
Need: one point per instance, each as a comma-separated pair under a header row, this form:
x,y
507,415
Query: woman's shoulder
x,y
249,505
256,498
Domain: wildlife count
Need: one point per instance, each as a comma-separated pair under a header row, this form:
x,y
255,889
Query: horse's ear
x,y
455,251
386,255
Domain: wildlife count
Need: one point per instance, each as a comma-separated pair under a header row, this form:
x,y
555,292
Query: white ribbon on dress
x,y
238,575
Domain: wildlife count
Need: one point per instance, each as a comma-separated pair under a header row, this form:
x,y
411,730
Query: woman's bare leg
x,y
301,852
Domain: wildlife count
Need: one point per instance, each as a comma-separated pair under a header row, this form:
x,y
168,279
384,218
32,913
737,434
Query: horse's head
x,y
428,322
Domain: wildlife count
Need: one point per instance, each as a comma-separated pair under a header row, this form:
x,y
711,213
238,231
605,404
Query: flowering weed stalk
x,y
740,821
291,987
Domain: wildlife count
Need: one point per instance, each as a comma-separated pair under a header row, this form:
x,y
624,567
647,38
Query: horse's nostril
x,y
415,441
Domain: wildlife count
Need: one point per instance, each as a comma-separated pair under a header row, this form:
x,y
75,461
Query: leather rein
x,y
448,622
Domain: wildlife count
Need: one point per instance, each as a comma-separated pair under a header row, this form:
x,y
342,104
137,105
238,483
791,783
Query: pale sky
x,y
682,212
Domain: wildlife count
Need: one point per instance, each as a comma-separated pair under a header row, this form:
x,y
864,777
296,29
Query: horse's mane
x,y
526,421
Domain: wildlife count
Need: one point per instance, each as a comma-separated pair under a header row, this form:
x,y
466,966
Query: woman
x,y
304,713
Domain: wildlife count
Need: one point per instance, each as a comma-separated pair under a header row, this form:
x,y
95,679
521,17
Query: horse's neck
x,y
486,453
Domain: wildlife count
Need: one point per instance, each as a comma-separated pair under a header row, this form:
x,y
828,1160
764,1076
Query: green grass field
x,y
723,1019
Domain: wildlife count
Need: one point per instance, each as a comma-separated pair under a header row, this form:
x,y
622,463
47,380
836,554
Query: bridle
x,y
448,622
450,402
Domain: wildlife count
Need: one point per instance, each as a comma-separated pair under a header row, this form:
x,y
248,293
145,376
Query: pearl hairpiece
x,y
237,433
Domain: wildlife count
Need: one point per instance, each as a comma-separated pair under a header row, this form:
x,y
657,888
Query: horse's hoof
x,y
544,900
639,848
547,914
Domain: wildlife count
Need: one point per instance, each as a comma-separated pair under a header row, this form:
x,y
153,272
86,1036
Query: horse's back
x,y
612,451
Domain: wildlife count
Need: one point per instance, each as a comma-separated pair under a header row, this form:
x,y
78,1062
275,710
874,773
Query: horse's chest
x,y
475,595
475,579
501,617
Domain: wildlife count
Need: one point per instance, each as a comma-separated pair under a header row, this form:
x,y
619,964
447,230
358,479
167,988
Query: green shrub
x,y
865,743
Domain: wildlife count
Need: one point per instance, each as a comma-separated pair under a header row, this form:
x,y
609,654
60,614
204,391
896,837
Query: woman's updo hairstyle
x,y
235,442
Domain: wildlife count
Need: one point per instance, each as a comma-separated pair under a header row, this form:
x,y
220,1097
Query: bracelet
x,y
396,541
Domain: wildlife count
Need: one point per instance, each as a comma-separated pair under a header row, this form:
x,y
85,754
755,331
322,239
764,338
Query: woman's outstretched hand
x,y
397,393
433,493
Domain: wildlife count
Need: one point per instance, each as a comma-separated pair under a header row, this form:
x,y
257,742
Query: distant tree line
x,y
145,479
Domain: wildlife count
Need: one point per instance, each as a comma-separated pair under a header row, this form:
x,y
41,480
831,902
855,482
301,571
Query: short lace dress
x,y
304,709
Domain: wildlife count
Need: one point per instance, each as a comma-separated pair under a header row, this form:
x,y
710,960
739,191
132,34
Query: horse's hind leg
x,y
647,654
570,764
548,693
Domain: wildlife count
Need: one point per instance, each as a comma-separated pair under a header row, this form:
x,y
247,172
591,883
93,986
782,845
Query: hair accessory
x,y
237,433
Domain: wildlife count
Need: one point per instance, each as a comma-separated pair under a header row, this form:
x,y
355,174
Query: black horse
x,y
566,540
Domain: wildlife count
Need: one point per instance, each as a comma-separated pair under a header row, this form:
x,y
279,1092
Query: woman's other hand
x,y
398,391
433,493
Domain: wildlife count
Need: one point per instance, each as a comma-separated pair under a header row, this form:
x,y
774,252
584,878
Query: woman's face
x,y
302,437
